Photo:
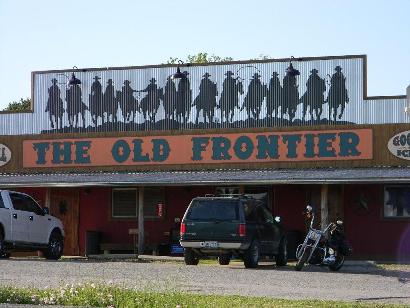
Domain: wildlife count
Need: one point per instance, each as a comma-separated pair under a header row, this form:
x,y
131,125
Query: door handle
x,y
15,216
31,218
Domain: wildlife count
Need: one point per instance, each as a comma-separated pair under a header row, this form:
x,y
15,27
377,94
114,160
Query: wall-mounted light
x,y
179,74
74,80
407,108
290,70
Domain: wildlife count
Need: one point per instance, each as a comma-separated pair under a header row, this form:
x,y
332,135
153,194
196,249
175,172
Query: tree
x,y
22,105
201,57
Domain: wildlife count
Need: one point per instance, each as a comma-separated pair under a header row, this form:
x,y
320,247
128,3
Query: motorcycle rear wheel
x,y
340,260
301,262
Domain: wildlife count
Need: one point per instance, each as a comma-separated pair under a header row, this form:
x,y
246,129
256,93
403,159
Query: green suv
x,y
237,226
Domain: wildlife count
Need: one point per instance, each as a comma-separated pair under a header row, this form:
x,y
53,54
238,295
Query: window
x,y
1,202
210,210
397,201
153,196
124,202
25,203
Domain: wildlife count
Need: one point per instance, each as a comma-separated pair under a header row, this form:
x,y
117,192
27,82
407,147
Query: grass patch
x,y
111,296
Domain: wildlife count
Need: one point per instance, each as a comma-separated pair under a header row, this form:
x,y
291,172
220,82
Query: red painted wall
x,y
95,215
371,235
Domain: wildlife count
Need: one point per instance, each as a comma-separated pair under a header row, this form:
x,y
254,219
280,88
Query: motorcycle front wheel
x,y
301,262
340,259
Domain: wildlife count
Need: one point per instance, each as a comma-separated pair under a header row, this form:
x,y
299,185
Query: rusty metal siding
x,y
359,110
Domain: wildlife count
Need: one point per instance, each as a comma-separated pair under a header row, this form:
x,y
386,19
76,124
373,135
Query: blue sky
x,y
45,35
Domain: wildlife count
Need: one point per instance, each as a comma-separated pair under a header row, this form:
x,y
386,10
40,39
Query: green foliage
x,y
22,105
201,57
92,295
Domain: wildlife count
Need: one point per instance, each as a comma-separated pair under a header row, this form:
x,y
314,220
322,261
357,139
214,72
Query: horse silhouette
x,y
95,99
75,105
150,103
338,95
55,106
184,99
206,99
110,103
313,97
274,97
254,97
170,99
229,100
128,103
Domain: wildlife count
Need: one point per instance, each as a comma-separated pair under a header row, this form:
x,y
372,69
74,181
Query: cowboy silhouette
x,y
274,97
338,95
150,102
75,105
128,102
184,99
170,99
206,99
54,105
314,96
290,94
95,100
110,104
255,96
229,97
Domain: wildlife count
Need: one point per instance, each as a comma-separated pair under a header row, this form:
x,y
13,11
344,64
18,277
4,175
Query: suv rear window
x,y
213,210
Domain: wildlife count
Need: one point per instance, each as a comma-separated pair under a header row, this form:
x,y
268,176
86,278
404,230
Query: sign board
x,y
399,145
295,146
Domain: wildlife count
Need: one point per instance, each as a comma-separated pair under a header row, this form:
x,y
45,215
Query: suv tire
x,y
224,259
190,257
282,257
3,252
251,257
55,246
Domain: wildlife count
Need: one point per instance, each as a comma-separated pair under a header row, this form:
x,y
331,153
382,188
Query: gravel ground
x,y
352,283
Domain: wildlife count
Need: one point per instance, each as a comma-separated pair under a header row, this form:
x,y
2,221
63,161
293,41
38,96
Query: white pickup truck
x,y
25,226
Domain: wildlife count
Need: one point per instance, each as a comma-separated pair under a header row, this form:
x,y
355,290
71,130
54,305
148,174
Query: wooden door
x,y
64,204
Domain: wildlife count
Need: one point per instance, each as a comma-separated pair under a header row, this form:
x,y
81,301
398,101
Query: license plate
x,y
313,236
209,244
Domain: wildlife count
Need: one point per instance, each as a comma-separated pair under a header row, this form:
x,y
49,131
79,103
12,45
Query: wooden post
x,y
47,201
324,209
141,221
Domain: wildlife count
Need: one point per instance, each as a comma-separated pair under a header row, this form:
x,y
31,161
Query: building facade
x,y
128,148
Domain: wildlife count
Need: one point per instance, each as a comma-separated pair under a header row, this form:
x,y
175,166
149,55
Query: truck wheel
x,y
3,252
55,246
190,257
224,259
251,257
282,256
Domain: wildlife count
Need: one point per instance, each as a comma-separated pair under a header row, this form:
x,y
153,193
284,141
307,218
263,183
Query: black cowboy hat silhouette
x,y
54,81
109,81
206,75
96,78
274,74
256,75
314,71
338,68
229,73
127,82
152,80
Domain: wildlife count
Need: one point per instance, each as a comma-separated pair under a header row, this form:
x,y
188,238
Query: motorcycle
x,y
317,249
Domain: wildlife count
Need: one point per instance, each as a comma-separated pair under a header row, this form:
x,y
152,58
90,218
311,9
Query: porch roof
x,y
210,177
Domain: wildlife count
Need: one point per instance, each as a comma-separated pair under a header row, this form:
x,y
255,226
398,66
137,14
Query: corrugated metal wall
x,y
208,104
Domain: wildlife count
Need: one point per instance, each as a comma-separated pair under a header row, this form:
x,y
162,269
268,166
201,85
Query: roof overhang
x,y
210,177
